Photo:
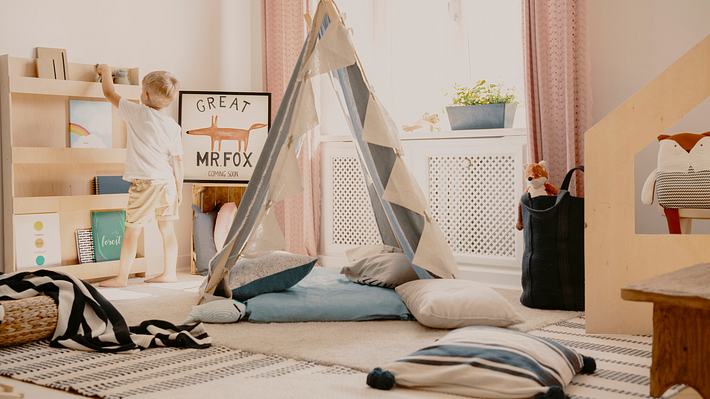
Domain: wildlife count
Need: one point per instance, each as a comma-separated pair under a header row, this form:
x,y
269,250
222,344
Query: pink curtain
x,y
557,84
284,34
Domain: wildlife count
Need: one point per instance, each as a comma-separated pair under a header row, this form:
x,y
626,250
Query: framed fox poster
x,y
223,134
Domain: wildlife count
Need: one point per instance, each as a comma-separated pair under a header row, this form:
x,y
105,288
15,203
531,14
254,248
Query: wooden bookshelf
x,y
69,203
68,88
53,156
89,271
42,174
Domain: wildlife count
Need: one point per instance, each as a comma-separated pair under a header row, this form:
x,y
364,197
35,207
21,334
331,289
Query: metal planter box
x,y
486,116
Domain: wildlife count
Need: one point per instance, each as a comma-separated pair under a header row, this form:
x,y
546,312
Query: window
x,y
414,51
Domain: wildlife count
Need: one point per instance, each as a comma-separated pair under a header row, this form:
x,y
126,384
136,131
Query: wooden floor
x,y
688,393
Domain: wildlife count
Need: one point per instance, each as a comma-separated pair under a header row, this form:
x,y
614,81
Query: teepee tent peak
x,y
333,51
399,205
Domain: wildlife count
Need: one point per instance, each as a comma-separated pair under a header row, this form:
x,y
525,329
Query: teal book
x,y
107,230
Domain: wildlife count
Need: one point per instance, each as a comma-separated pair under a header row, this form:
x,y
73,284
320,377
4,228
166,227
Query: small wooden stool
x,y
681,327
680,221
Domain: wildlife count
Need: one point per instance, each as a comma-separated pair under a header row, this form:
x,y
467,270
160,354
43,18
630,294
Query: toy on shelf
x,y
681,180
428,121
537,178
119,75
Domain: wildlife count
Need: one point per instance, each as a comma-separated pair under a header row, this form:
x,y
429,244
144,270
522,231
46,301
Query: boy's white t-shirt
x,y
153,138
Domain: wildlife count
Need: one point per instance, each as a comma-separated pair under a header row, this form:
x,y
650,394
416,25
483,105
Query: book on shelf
x,y
85,246
110,185
90,124
37,240
107,232
52,63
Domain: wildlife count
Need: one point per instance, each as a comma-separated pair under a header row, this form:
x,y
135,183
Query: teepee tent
x,y
399,205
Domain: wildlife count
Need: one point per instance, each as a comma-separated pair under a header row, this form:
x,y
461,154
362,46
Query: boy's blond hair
x,y
162,87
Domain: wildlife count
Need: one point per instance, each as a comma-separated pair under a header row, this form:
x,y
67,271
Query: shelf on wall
x,y
87,271
442,135
69,203
69,88
53,155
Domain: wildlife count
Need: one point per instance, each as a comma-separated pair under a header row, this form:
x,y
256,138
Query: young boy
x,y
153,166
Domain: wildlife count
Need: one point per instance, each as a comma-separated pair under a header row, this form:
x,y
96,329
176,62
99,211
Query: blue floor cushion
x,y
326,295
272,272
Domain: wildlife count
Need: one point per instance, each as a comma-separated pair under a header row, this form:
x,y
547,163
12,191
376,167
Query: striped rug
x,y
115,376
623,362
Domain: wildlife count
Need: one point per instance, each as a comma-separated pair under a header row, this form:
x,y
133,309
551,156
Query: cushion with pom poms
x,y
487,362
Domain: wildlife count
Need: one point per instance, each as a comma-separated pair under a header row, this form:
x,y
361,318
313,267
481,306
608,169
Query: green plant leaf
x,y
482,93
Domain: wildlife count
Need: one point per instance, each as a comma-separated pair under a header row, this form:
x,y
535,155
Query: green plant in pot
x,y
482,106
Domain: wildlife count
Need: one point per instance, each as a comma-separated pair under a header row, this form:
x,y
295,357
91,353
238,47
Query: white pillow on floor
x,y
217,311
448,303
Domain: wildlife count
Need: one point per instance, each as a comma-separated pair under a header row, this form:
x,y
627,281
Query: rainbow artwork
x,y
90,124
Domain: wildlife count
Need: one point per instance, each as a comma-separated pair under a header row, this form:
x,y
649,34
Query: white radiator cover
x,y
473,181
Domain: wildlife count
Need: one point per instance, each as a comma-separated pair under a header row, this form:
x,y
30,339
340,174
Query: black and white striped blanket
x,y
88,321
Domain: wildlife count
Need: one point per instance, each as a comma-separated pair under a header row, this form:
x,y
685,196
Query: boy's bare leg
x,y
128,255
170,250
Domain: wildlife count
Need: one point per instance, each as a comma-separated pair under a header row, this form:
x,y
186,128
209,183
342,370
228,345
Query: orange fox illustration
x,y
220,134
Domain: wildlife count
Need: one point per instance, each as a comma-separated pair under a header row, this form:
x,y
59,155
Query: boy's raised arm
x,y
107,84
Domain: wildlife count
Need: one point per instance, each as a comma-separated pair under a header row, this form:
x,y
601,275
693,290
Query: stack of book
x,y
110,185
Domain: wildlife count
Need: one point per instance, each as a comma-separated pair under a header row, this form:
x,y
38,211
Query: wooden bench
x,y
681,327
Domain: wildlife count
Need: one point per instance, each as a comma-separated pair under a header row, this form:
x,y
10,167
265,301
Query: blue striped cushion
x,y
487,362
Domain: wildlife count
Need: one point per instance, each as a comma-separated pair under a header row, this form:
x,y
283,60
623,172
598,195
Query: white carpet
x,y
360,345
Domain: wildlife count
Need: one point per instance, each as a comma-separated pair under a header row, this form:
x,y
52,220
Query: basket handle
x,y
568,177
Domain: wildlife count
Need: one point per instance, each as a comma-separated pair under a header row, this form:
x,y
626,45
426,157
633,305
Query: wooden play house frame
x,y
615,254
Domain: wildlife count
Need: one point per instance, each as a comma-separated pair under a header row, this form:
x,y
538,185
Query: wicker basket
x,y
28,320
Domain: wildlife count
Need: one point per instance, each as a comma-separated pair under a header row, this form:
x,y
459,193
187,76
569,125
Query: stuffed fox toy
x,y
537,178
681,179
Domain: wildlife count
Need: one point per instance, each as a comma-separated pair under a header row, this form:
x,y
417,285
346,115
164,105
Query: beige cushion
x,y
387,270
447,303
365,251
225,218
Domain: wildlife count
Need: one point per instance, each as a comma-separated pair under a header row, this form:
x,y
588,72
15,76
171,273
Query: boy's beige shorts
x,y
148,199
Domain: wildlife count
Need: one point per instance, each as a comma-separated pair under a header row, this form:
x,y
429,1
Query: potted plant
x,y
483,106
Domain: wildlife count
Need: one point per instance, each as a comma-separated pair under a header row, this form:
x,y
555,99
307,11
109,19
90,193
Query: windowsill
x,y
442,135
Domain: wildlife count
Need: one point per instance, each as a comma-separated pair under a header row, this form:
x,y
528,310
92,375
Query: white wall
x,y
630,43
207,44
414,52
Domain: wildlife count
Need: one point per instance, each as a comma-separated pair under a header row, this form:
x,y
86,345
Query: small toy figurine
x,y
118,76
430,121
